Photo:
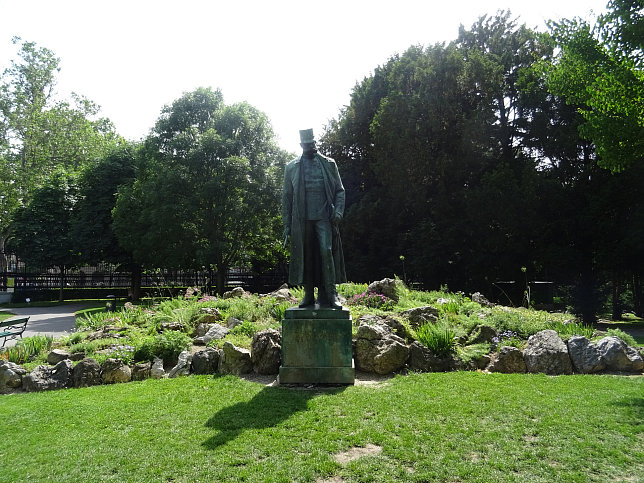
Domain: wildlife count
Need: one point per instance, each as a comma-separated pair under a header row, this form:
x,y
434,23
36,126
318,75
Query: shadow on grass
x,y
633,409
267,409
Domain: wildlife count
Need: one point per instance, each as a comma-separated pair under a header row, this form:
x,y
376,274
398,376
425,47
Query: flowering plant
x,y
373,300
507,337
123,352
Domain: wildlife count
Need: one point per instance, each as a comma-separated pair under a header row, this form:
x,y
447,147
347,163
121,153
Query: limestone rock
x,y
56,356
201,329
395,325
47,378
585,355
378,350
618,356
76,356
232,322
422,359
386,287
234,360
210,315
481,334
141,371
283,294
509,360
481,300
205,361
87,373
421,315
183,365
176,326
157,371
237,292
115,371
547,353
215,332
266,351
11,375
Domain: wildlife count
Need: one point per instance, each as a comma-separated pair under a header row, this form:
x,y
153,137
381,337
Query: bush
x,y
372,300
166,346
27,349
623,335
440,338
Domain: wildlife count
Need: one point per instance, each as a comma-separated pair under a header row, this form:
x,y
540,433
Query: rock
x,y
76,356
232,322
481,300
482,334
422,359
618,356
176,326
11,375
157,371
56,356
215,332
47,378
509,360
266,351
378,350
205,361
234,360
209,315
395,325
201,329
585,355
283,294
386,287
115,371
482,361
87,373
547,353
235,293
182,368
421,315
141,371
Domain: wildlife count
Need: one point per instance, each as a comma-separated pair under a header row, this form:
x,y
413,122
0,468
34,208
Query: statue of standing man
x,y
312,206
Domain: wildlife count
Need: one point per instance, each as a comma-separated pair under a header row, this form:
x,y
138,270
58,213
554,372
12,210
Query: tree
x,y
41,230
39,135
92,224
208,192
600,70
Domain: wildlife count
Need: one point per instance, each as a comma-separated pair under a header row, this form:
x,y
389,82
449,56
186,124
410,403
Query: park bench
x,y
12,328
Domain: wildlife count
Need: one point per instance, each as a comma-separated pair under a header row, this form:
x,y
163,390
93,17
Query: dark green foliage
x,y
438,337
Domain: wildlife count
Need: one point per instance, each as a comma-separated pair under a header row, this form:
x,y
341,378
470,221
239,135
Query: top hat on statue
x,y
306,136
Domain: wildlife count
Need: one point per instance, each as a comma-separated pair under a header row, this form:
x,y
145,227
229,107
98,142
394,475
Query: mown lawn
x,y
461,426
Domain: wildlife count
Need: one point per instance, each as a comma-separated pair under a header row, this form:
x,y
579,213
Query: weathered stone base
x,y
316,347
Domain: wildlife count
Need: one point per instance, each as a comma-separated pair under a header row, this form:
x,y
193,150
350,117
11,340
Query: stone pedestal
x,y
316,347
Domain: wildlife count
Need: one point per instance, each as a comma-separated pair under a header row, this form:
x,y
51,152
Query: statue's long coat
x,y
293,199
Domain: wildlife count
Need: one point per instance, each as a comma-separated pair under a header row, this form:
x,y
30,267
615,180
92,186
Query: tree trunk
x,y
135,281
638,308
3,256
61,296
616,295
221,280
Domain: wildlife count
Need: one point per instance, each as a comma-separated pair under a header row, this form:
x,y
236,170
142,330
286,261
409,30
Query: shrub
x,y
27,349
623,335
472,352
372,300
245,328
440,338
567,329
166,346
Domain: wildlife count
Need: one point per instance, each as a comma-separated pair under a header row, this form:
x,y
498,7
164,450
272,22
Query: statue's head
x,y
307,141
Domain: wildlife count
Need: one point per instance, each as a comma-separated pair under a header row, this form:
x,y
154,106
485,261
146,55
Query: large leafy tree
x,y
39,134
600,70
207,195
42,229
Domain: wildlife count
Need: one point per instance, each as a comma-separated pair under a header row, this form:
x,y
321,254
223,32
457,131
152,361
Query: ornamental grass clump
x,y
372,300
27,349
438,337
567,329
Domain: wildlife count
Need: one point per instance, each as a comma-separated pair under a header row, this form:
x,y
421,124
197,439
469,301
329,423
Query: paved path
x,y
55,321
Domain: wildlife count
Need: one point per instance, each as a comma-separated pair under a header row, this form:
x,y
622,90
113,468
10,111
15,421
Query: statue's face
x,y
308,148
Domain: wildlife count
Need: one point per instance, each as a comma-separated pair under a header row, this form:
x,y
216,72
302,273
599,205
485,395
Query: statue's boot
x,y
332,298
309,297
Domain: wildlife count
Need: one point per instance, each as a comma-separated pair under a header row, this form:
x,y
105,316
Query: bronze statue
x,y
312,206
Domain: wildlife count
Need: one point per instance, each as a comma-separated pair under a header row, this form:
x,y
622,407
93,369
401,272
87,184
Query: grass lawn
x,y
463,426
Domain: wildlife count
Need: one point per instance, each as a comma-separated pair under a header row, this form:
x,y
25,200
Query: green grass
x,y
6,315
431,427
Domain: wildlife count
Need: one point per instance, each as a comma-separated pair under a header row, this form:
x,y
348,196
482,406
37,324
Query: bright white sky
x,y
297,61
